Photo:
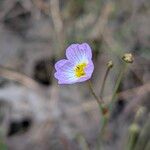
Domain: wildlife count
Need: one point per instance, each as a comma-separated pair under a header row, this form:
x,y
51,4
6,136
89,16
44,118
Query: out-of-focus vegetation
x,y
35,112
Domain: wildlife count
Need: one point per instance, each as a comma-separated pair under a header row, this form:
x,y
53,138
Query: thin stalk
x,y
119,79
104,122
99,100
104,81
102,111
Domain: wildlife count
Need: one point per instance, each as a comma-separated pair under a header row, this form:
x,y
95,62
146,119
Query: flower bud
x,y
134,131
134,128
140,112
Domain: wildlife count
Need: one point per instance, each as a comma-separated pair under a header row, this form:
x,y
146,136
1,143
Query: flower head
x,y
78,66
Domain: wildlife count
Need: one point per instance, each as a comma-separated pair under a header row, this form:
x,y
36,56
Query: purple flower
x,y
78,66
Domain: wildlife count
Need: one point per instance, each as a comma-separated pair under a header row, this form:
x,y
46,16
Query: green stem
x,y
104,81
143,137
104,122
119,79
99,100
102,111
3,145
102,108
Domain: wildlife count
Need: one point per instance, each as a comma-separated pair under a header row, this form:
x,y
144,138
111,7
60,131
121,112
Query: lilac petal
x,y
65,73
79,52
65,77
60,63
88,70
64,65
86,50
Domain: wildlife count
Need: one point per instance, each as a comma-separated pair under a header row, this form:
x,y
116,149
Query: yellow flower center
x,y
79,70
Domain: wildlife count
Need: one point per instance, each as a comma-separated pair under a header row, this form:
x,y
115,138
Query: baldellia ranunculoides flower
x,y
78,66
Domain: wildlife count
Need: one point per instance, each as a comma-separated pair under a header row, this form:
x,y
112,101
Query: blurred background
x,y
38,114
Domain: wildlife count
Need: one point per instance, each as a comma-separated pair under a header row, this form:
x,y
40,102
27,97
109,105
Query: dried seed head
x,y
110,64
128,58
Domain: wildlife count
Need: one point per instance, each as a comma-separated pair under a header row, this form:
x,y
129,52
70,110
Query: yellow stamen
x,y
79,69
